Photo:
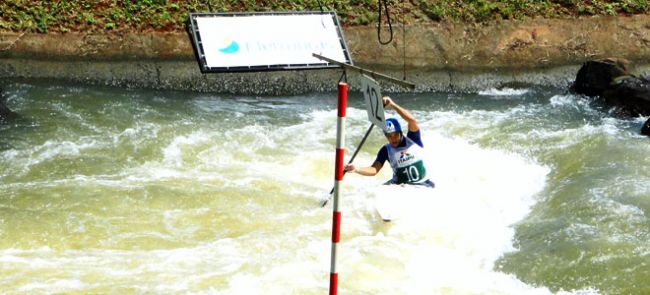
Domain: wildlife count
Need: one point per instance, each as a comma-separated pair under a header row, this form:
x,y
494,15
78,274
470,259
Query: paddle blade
x,y
323,202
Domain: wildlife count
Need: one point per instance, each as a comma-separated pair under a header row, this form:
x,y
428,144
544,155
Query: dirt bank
x,y
437,57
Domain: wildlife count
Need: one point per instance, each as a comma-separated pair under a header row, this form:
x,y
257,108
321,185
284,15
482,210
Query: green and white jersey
x,y
407,163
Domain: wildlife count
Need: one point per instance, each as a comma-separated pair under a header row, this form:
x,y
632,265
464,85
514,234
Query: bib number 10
x,y
412,173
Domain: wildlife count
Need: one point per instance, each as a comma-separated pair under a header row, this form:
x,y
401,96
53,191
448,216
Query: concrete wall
x,y
436,57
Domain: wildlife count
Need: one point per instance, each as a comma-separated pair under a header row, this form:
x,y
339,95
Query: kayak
x,y
396,201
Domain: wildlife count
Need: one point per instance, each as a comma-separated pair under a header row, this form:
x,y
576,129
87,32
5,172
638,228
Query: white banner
x,y
262,40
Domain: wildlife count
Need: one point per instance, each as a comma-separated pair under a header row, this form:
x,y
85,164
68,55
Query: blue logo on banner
x,y
231,48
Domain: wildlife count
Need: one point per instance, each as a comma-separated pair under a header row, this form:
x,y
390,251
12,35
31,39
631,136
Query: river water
x,y
106,190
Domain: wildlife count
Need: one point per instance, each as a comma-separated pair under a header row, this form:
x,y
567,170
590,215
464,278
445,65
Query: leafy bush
x,y
171,15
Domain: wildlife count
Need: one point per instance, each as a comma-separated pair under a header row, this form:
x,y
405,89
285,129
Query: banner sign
x,y
374,101
262,41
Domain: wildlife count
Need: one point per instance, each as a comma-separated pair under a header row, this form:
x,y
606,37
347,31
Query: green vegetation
x,y
171,15
485,10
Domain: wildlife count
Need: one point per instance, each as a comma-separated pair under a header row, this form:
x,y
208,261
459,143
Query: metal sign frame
x,y
201,57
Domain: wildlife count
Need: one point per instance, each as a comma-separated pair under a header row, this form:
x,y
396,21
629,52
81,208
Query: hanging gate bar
x,y
370,73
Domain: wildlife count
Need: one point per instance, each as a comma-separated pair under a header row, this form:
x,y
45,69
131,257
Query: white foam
x,y
159,271
68,112
60,285
503,92
573,101
280,240
140,132
454,233
173,153
53,148
173,221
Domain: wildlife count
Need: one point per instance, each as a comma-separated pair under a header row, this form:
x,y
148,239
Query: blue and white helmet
x,y
392,125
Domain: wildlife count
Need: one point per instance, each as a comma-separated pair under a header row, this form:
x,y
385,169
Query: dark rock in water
x,y
611,80
631,95
596,76
5,112
645,130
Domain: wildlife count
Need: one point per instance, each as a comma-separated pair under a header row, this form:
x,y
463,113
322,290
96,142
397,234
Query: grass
x,y
171,15
485,10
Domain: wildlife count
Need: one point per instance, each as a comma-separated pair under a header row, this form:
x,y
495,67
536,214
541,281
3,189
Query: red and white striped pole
x,y
338,177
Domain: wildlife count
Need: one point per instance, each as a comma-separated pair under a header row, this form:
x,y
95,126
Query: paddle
x,y
324,202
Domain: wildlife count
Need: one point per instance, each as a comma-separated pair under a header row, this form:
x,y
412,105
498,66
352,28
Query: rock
x,y
5,113
631,95
645,130
611,80
596,76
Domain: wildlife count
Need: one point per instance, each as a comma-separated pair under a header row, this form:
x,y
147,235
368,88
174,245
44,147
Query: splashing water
x,y
111,191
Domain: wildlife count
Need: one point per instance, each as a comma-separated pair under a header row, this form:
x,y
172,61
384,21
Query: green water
x,y
106,190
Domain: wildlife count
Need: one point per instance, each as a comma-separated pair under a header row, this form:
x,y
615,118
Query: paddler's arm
x,y
365,171
404,113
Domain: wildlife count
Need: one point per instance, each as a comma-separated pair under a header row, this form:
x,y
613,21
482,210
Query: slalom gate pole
x,y
338,177
324,202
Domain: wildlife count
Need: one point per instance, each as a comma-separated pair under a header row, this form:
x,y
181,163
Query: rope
x,y
344,77
390,25
403,41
